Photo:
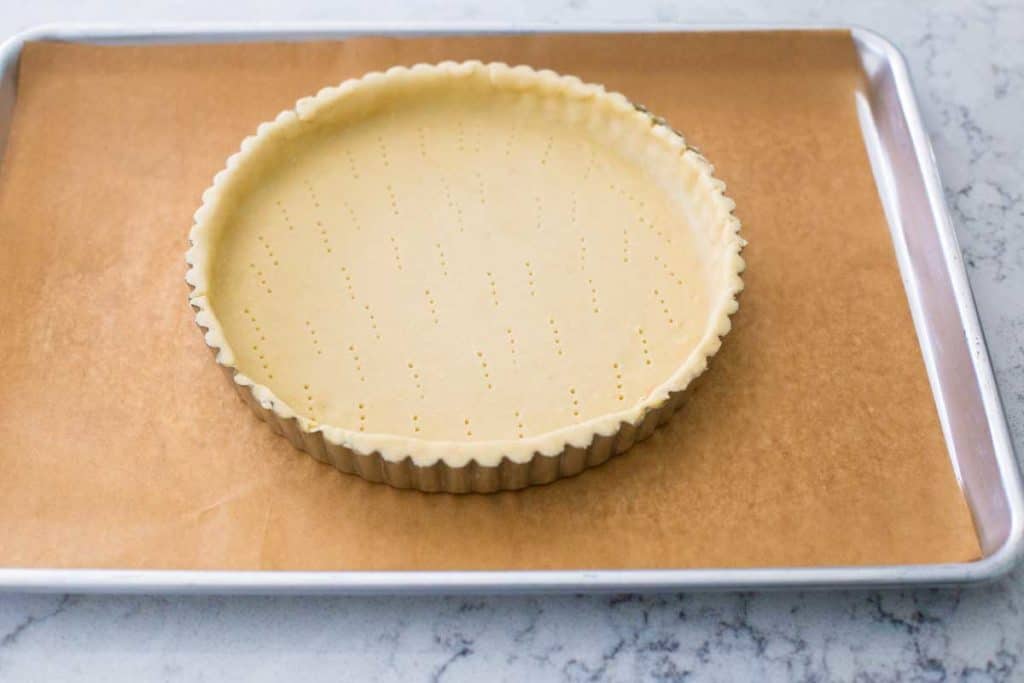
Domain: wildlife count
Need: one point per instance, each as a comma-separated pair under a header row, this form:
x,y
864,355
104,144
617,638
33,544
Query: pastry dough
x,y
464,263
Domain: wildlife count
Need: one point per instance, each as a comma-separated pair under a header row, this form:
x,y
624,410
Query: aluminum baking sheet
x,y
944,314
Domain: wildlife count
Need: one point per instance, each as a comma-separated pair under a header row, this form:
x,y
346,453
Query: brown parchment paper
x,y
813,441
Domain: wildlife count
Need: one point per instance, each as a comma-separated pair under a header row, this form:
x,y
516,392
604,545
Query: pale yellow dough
x,y
465,262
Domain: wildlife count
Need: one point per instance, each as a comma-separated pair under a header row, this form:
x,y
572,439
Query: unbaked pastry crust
x,y
463,264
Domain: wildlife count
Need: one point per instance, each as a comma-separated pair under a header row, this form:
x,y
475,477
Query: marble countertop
x,y
968,65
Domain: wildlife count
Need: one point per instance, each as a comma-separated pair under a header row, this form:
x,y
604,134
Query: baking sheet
x,y
813,442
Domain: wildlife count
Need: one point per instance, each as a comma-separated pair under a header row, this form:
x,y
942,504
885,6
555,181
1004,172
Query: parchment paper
x,y
814,440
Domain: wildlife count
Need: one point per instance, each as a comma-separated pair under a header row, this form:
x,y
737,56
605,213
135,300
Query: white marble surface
x,y
967,59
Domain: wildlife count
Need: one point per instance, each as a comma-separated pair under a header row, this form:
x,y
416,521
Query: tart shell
x,y
463,467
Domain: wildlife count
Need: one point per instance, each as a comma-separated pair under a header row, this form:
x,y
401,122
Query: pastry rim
x,y
393,448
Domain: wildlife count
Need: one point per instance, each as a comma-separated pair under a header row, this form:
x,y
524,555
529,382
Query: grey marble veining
x,y
919,635
967,60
